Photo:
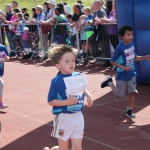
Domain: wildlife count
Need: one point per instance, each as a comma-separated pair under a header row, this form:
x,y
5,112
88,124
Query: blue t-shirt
x,y
3,49
125,55
58,91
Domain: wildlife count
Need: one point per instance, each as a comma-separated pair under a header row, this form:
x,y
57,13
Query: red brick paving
x,y
27,123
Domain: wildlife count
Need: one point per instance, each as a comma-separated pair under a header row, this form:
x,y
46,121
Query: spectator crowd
x,y
54,22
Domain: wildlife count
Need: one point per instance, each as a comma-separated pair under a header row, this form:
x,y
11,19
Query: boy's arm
x,y
89,98
140,58
126,68
70,101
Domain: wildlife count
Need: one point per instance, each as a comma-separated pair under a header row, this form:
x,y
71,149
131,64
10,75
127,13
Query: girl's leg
x,y
63,145
76,144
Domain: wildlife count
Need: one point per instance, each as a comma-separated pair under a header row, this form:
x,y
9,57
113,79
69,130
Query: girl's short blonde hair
x,y
57,51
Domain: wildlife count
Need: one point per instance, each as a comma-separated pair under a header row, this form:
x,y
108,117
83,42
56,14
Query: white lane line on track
x,y
129,137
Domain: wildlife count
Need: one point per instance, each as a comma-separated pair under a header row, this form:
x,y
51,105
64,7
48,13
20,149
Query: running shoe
x,y
106,81
130,114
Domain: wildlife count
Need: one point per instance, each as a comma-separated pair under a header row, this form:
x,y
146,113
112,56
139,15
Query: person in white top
x,y
51,5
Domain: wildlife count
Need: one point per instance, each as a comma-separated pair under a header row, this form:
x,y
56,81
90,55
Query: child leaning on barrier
x,y
86,29
123,58
17,38
68,120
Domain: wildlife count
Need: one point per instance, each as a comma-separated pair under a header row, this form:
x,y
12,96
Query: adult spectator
x,y
2,35
43,36
51,5
61,6
100,31
60,30
9,14
74,22
108,7
112,29
33,32
15,5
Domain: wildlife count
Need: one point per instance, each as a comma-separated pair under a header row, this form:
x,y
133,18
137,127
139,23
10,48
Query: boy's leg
x,y
63,145
131,85
131,100
76,144
2,104
129,112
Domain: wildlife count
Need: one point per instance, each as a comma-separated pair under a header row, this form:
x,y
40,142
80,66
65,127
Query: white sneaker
x,y
3,105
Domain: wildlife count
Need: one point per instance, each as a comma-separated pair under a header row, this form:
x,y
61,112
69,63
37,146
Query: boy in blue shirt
x,y
68,121
3,57
123,58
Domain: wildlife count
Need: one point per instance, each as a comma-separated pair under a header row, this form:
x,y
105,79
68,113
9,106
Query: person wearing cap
x,y
25,14
25,40
51,5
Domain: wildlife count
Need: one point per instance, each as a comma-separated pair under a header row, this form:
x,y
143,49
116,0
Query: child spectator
x,y
3,57
68,17
81,28
89,28
67,124
123,58
25,40
17,38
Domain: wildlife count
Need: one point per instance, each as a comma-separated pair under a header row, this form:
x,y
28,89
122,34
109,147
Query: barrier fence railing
x,y
103,46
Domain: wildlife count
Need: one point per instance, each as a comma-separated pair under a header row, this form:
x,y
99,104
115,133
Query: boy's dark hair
x,y
57,51
19,15
123,29
69,16
16,10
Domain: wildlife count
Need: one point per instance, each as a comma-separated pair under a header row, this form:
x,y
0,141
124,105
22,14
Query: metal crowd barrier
x,y
106,41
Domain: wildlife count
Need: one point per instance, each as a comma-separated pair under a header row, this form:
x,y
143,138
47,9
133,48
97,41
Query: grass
x,y
31,3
